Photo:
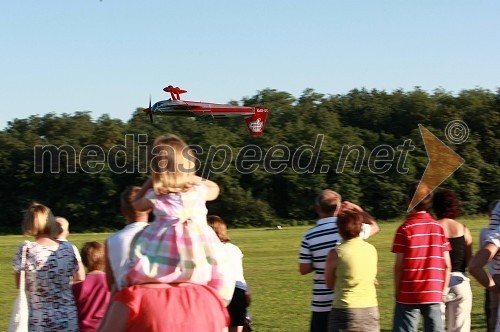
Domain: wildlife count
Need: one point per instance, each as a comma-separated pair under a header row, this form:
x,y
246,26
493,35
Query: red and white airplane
x,y
255,117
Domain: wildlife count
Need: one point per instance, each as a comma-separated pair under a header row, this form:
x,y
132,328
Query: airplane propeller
x,y
148,110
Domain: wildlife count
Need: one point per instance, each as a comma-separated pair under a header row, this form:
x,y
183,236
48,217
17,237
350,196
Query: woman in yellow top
x,y
351,269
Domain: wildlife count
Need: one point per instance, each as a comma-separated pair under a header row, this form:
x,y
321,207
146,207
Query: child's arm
x,y
79,275
140,203
212,188
248,297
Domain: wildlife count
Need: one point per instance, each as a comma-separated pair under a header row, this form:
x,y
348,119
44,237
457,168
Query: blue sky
x,y
108,56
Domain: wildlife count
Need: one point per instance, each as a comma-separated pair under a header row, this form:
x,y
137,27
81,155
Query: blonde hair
x,y
219,227
39,220
172,165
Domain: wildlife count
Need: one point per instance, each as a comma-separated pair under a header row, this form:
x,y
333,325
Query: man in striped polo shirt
x,y
317,243
422,267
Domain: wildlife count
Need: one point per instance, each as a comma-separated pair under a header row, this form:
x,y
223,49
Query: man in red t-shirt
x,y
422,267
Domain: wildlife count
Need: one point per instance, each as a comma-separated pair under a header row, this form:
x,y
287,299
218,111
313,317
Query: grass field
x,y
280,295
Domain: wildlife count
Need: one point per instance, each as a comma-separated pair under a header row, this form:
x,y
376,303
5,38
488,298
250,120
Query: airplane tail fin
x,y
257,122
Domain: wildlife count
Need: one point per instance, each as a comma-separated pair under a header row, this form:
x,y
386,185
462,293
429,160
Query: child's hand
x,y
248,299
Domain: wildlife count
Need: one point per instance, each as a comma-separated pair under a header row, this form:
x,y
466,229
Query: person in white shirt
x,y
118,244
233,257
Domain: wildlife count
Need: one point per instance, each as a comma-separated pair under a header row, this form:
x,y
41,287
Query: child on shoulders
x,y
179,246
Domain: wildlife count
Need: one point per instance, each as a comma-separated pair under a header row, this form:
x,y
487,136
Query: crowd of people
x,y
432,258
182,273
175,274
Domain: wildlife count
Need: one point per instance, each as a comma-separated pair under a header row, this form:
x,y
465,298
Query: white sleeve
x,y
305,255
494,237
365,231
494,264
494,234
77,254
483,236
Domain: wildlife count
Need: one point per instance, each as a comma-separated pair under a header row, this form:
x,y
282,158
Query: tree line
x,y
364,144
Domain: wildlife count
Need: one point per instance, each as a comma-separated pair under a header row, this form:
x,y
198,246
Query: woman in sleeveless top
x,y
49,266
458,303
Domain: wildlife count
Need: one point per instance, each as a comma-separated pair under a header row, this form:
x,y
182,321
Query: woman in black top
x,y
459,300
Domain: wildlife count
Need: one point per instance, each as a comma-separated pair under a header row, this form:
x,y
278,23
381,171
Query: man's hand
x,y
346,205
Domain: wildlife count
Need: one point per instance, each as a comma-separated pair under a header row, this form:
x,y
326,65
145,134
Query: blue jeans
x,y
406,317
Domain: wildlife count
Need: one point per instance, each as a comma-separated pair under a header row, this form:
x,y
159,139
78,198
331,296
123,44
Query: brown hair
x,y
445,204
328,201
349,223
93,256
172,165
421,190
39,220
126,199
219,227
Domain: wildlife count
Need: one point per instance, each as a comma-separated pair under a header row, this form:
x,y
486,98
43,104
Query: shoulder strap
x,y
22,271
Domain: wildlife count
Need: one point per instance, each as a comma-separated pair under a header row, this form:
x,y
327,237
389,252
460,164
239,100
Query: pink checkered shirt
x,y
179,246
